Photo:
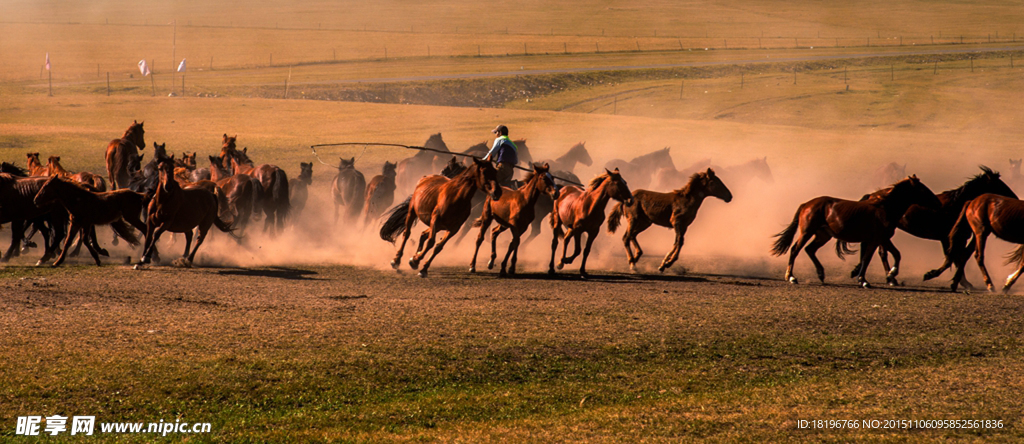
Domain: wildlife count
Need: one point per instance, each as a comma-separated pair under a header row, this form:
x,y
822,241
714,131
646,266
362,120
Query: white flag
x,y
143,68
47,61
181,67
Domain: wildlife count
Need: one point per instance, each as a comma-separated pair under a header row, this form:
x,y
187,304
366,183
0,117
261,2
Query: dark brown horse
x,y
676,210
871,222
180,210
514,211
583,212
423,163
298,189
988,214
380,193
642,168
237,191
18,208
441,203
88,209
123,156
936,224
349,191
272,180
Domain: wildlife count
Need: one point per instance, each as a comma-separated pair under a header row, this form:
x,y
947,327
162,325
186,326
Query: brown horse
x,y
349,191
19,209
35,167
88,209
514,211
380,193
988,214
871,222
583,212
441,203
411,169
676,210
642,168
936,224
235,195
272,180
298,189
180,210
123,156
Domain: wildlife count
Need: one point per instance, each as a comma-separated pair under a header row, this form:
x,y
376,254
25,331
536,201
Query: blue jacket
x,y
504,151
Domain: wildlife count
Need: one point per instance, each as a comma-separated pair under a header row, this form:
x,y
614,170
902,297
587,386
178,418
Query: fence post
x,y
682,83
108,83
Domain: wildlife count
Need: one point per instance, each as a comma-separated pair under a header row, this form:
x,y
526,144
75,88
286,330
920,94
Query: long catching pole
x,y
420,148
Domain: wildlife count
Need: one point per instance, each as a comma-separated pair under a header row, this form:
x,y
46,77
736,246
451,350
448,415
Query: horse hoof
x,y
865,284
422,273
414,264
930,275
551,272
561,266
502,273
490,264
395,264
137,267
584,276
632,267
103,252
661,269
792,280
472,269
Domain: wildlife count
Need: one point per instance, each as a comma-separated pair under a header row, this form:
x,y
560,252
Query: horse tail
x,y
394,224
279,193
843,248
223,225
124,231
786,236
1015,256
614,216
257,197
959,234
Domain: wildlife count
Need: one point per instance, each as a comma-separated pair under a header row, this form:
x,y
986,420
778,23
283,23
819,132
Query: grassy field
x,y
311,337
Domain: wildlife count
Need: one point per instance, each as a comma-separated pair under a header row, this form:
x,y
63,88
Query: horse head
x,y
389,169
617,188
306,172
714,185
347,163
165,168
160,151
453,168
581,154
994,184
916,192
486,177
435,142
544,182
136,134
33,160
523,151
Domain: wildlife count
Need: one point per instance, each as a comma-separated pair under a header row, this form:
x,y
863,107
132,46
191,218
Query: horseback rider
x,y
505,154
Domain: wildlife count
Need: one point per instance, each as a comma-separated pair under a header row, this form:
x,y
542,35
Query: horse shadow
x,y
286,273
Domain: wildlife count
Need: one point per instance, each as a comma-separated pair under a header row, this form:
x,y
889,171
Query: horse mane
x,y
596,182
957,195
650,155
12,169
135,126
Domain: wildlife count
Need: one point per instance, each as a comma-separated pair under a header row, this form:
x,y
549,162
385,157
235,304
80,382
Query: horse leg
x,y
794,251
494,246
188,243
633,229
94,242
569,236
484,224
91,234
437,249
27,238
556,232
866,251
673,254
417,256
820,239
517,237
72,232
896,257
203,231
981,236
17,231
508,253
586,251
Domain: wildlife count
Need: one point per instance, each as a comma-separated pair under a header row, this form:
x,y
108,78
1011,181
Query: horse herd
x,y
168,194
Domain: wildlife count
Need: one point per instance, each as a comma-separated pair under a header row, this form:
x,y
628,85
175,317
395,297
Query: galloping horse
x,y
380,193
676,210
123,156
988,214
180,210
88,209
16,200
567,162
237,191
349,190
411,169
583,212
936,224
515,211
871,222
642,168
272,180
298,188
441,203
